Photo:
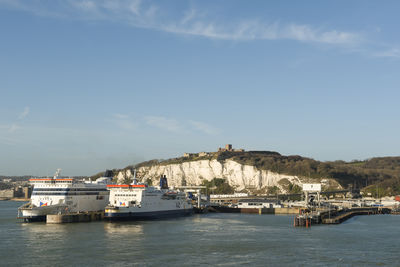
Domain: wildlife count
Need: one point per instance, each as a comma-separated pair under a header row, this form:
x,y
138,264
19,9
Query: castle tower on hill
x,y
228,147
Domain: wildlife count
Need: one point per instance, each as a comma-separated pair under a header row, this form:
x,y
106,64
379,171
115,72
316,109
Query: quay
x,y
75,217
344,215
334,216
66,217
303,218
226,209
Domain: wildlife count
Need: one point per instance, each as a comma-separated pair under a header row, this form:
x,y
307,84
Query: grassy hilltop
x,y
379,176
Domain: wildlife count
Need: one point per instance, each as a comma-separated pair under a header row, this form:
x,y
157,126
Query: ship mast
x,y
57,174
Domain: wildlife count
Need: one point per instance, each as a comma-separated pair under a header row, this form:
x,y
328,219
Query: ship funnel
x,y
163,182
108,173
134,177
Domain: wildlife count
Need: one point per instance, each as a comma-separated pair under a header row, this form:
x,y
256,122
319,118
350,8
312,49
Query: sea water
x,y
215,239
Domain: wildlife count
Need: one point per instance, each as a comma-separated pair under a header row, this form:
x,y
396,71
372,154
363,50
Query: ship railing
x,y
26,205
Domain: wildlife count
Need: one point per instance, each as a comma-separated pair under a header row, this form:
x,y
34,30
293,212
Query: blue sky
x,y
89,85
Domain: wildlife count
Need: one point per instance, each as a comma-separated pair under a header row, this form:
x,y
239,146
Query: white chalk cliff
x,y
237,175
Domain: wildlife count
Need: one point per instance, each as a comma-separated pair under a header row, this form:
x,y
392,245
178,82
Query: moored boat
x,y
64,195
142,202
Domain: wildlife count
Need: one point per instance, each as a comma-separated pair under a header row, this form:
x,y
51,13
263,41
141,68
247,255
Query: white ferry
x,y
61,195
142,202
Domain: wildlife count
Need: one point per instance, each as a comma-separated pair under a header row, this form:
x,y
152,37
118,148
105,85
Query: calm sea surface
x,y
211,239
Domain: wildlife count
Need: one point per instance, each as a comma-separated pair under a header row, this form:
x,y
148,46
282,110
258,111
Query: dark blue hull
x,y
138,216
41,218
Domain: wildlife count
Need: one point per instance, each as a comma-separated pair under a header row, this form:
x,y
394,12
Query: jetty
x,y
332,216
227,209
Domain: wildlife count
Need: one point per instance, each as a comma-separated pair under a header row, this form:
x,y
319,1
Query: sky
x,y
92,85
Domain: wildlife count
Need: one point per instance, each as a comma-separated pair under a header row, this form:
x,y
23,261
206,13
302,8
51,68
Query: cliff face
x,y
195,172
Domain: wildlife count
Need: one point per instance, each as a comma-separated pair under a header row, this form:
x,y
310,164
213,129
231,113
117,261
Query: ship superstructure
x,y
140,202
64,195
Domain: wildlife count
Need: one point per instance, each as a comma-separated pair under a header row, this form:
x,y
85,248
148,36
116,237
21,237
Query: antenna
x,y
57,173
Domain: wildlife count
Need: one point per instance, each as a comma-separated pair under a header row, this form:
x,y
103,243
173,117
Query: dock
x,y
226,209
75,217
344,215
335,216
65,217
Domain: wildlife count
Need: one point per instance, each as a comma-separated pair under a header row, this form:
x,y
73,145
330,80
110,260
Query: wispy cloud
x,y
200,23
124,121
193,22
171,125
13,128
165,124
121,116
134,6
389,53
204,127
24,113
257,30
87,5
15,125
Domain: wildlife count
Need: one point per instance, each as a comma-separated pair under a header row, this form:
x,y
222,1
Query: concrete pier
x,y
335,216
347,214
225,209
75,217
286,210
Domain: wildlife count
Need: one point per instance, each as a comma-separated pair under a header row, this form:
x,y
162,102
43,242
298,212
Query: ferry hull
x,y
37,214
28,219
151,215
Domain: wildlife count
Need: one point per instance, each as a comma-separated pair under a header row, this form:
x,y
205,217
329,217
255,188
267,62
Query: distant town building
x,y
16,192
4,194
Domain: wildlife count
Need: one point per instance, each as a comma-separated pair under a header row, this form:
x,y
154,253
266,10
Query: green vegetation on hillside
x,y
289,187
378,176
218,186
381,173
